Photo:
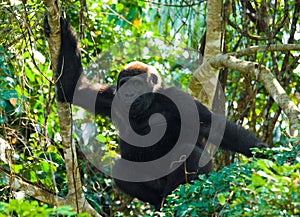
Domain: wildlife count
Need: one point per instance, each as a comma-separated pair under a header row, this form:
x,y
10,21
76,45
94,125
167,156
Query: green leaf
x,y
257,180
222,199
17,168
264,174
54,157
41,174
33,176
101,138
8,94
2,104
45,166
119,7
65,210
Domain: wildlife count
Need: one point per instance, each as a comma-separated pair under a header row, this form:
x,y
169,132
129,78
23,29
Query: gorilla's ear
x,y
154,78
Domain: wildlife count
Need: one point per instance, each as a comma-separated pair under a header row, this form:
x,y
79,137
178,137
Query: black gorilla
x,y
183,166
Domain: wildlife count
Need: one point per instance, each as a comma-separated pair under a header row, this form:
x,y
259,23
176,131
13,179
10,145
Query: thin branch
x,y
269,48
118,15
245,32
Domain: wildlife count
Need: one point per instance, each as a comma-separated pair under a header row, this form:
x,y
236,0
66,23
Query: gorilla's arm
x,y
235,137
70,78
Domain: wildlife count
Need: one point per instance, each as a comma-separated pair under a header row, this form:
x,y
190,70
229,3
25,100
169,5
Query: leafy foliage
x,y
256,187
21,208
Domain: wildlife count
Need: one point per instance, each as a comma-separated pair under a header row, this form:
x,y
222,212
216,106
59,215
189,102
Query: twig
x,y
269,48
118,15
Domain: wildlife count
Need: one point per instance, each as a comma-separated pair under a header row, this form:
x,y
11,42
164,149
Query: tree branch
x,y
268,48
54,41
204,83
75,197
38,192
63,109
42,194
270,83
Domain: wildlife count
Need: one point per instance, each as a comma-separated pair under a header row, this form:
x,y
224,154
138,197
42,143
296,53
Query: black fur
x,y
235,137
69,71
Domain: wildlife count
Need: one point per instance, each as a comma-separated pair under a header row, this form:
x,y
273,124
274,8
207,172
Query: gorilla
x,y
140,96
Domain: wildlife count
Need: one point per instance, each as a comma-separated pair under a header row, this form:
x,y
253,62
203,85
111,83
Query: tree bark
x,y
75,197
204,82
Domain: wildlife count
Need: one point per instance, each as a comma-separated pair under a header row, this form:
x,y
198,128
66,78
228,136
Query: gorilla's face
x,y
136,86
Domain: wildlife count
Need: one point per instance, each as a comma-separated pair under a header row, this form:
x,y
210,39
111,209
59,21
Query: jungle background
x,y
32,165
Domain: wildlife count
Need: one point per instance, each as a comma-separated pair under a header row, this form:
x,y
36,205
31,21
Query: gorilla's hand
x,y
64,26
46,26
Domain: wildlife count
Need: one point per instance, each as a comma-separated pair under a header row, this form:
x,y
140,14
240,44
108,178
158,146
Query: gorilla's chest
x,y
166,123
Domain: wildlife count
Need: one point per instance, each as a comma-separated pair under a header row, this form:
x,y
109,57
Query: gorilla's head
x,y
136,85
